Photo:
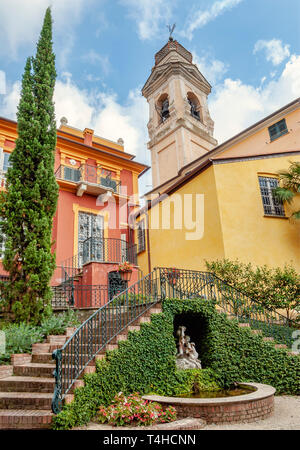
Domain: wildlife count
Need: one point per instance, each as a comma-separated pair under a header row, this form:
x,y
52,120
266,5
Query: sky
x,y
248,50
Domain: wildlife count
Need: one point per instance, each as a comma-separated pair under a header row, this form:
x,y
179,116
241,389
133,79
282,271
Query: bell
x,y
165,109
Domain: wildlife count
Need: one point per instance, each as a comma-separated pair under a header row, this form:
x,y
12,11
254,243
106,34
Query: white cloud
x,y
212,69
275,50
201,17
236,105
95,58
21,22
2,82
98,110
151,16
10,101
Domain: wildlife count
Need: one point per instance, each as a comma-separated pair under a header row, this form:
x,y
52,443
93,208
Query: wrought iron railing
x,y
106,323
89,174
83,296
108,250
100,329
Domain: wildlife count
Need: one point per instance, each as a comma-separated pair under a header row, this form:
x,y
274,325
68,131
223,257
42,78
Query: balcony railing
x,y
108,250
92,176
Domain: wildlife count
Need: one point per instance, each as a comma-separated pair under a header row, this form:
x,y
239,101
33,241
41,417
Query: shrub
x,y
145,363
56,324
19,339
134,410
277,288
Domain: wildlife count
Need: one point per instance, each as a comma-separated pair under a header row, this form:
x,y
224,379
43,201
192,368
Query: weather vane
x,y
171,29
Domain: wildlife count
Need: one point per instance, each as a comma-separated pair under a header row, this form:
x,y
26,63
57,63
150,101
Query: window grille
x,y
141,236
273,206
278,129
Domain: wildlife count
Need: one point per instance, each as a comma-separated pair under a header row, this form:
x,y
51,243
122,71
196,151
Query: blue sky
x,y
249,50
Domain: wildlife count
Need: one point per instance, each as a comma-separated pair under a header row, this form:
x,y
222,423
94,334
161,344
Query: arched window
x,y
194,105
162,107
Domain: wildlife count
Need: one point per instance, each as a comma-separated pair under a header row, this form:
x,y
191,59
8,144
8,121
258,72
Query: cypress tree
x,y
29,204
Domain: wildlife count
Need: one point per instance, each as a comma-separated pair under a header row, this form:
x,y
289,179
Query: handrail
x,y
111,250
88,173
98,330
122,310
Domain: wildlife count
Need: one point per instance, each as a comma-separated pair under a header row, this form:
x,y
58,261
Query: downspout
x,y
148,242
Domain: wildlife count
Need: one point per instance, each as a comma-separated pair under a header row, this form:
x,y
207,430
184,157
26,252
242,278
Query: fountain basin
x,y
241,408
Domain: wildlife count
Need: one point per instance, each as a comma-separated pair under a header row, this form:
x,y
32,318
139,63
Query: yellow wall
x,y
234,221
247,234
169,248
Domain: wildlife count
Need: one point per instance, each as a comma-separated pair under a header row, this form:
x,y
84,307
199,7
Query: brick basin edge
x,y
243,408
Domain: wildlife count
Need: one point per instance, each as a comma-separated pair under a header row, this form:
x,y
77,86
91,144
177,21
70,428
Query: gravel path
x,y
286,417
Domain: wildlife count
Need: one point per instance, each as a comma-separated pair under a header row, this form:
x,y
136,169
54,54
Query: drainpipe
x,y
148,242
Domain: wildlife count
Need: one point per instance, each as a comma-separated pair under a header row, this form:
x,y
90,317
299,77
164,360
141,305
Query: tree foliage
x,y
278,288
290,186
29,203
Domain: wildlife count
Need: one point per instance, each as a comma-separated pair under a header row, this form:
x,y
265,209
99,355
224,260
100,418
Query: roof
x,y
101,148
222,147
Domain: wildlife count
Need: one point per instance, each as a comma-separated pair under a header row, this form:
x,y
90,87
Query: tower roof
x,y
170,46
172,59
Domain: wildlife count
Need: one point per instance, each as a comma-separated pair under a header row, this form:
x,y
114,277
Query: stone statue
x,y
187,356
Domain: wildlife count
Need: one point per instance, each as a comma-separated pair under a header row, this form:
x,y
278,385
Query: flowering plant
x,y
134,410
125,267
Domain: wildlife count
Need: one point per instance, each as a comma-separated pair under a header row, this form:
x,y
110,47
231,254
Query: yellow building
x,y
220,204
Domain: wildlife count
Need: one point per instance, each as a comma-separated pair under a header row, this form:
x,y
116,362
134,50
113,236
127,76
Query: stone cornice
x,y
162,73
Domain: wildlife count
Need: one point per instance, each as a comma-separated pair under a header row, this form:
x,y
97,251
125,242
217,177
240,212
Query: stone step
x,y
144,319
40,348
35,370
25,419
244,325
59,339
155,310
280,346
27,384
256,331
25,400
268,339
42,358
134,328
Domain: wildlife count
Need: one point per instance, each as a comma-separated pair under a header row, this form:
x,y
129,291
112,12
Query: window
x,y
194,105
272,205
6,163
278,129
162,108
90,237
71,174
141,236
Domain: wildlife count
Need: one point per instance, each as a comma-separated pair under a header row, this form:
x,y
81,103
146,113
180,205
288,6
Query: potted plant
x,y
125,270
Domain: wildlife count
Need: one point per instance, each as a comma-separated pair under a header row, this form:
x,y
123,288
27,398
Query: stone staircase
x,y
27,386
264,338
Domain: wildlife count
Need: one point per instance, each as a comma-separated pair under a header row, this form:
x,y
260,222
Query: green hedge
x,y
145,363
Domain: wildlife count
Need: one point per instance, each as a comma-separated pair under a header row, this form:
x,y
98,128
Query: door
x,y
90,237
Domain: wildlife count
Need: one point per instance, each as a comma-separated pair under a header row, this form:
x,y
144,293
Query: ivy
x,y
145,363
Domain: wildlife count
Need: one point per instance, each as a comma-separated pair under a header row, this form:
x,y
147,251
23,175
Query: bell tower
x,y
180,127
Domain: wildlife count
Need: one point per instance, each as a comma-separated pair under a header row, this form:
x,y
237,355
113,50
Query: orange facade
x,y
98,189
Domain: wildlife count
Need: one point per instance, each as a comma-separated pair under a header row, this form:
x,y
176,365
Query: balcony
x,y
88,179
108,250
